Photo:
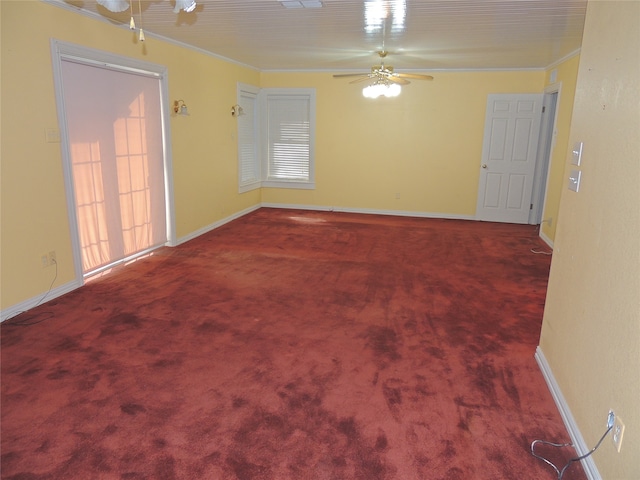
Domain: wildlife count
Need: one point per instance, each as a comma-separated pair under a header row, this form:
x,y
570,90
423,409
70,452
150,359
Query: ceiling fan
x,y
383,74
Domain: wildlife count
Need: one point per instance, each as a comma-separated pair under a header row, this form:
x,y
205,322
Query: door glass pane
x,y
115,134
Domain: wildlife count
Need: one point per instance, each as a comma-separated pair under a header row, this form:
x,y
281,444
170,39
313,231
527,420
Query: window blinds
x,y
288,138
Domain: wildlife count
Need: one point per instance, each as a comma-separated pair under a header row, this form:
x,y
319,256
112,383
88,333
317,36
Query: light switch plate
x,y
576,154
574,180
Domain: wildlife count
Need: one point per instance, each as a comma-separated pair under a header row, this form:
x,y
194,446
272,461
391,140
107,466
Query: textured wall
x,y
591,330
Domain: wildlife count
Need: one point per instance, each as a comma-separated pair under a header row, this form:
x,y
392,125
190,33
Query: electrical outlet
x,y
617,432
48,259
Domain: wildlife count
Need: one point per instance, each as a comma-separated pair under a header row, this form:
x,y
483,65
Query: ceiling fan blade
x,y
415,76
342,75
396,79
363,79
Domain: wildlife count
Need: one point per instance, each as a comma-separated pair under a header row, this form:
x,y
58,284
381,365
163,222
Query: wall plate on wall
x,y
574,180
576,154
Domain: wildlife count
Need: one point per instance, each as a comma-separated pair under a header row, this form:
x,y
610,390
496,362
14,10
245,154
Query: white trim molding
x,y
217,224
369,211
579,444
546,240
30,303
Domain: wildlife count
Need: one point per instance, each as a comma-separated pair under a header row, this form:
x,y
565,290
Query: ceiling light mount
x,y
117,6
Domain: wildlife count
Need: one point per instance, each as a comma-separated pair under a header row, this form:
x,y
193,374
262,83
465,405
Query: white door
x,y
512,126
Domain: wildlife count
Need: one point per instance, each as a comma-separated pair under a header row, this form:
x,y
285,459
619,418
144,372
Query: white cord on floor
x,y
576,459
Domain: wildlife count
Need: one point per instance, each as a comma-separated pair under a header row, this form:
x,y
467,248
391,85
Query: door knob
x,y
484,165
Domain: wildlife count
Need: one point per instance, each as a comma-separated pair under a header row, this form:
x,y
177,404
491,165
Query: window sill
x,y
291,184
249,186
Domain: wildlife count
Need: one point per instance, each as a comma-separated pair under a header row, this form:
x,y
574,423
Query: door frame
x,y
547,141
61,51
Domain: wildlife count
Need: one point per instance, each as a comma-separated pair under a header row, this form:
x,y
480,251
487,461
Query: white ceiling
x,y
436,35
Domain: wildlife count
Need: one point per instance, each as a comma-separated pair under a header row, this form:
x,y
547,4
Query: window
x,y
276,141
288,131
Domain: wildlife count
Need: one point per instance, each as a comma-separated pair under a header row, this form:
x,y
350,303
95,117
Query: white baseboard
x,y
38,300
398,213
292,206
588,464
546,240
215,225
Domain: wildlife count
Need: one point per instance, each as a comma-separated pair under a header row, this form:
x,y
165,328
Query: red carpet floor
x,y
292,345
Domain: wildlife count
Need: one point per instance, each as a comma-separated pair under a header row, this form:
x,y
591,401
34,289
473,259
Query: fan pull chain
x,y
132,22
140,11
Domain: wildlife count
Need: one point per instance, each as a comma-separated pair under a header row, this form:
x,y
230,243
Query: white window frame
x,y
253,120
63,50
248,133
267,98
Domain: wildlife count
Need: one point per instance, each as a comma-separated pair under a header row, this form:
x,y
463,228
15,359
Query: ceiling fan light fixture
x,y
186,5
115,6
381,89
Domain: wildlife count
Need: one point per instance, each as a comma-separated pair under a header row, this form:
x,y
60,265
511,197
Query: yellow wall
x,y
591,331
425,145
33,202
566,74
